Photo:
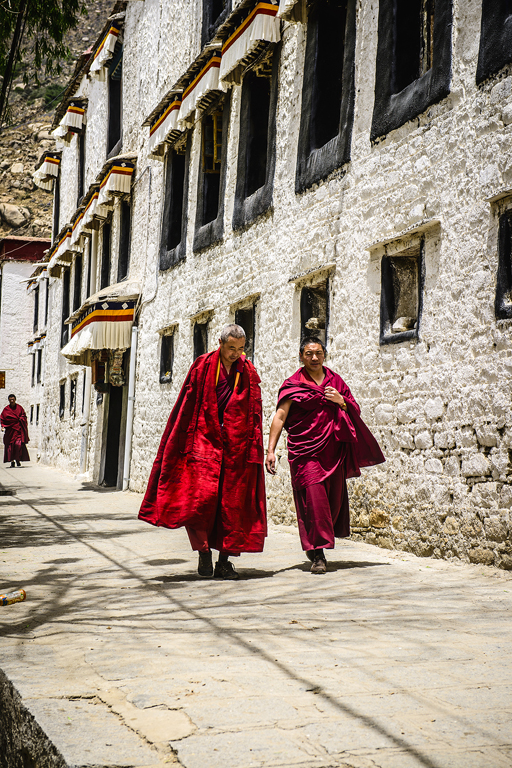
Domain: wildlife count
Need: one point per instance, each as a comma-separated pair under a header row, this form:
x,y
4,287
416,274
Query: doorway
x,y
114,429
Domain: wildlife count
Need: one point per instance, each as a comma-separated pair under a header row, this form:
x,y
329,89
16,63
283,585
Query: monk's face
x,y
313,357
12,400
231,350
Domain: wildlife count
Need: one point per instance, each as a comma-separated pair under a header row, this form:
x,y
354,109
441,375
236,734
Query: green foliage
x,y
52,93
45,24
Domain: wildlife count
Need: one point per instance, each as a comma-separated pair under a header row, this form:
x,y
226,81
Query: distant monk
x,y
208,473
14,421
327,443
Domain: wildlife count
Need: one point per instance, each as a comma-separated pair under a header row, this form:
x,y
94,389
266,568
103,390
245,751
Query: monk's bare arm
x,y
275,433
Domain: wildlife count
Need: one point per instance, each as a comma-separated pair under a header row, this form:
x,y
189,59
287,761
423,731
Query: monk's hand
x,y
270,463
334,396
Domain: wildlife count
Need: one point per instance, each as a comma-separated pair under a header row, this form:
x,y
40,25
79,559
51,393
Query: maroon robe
x,y
326,445
14,421
209,477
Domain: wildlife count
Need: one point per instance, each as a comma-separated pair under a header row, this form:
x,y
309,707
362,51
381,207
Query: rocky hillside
x,y
25,209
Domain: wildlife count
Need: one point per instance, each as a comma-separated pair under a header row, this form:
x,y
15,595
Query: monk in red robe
x,y
14,422
208,473
327,443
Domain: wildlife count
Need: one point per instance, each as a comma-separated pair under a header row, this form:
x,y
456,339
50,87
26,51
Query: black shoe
x,y
319,564
13,464
205,565
18,463
225,570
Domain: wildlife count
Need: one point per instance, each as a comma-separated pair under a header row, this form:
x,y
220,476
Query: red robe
x,y
184,487
326,445
14,421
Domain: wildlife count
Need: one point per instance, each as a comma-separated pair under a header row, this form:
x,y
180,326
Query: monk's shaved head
x,y
233,330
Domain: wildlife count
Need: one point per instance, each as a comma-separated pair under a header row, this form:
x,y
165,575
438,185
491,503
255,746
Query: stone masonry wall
x,y
440,406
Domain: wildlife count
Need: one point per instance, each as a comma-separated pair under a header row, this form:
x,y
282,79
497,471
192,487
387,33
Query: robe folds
x,y
14,421
326,444
204,470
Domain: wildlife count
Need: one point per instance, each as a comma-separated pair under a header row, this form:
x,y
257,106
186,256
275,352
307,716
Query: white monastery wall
x,y
440,406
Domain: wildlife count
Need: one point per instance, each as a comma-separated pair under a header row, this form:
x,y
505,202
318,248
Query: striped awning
x,y
104,322
61,253
164,127
76,243
94,214
47,170
104,53
261,24
117,181
72,122
206,81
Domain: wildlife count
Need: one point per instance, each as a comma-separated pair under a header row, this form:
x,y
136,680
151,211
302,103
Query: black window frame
x,y
31,414
37,413
106,254
115,103
170,257
210,24
495,50
33,373
248,207
66,288
72,396
213,231
39,365
392,110
62,399
77,282
81,166
125,237
46,301
306,292
502,306
315,165
36,309
387,295
166,357
200,334
244,320
56,206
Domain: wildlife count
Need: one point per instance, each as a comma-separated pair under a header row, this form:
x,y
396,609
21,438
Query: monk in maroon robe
x,y
328,442
14,423
208,474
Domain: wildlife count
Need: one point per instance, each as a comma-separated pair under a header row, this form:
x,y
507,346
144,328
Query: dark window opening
x,y
106,238
257,141
62,401
46,301
314,311
176,182
37,413
414,54
495,38
56,207
211,165
503,302
327,92
214,13
329,19
124,240
246,318
401,289
31,414
39,364
72,397
81,166
115,103
77,289
167,358
84,388
200,339
64,334
36,308
33,374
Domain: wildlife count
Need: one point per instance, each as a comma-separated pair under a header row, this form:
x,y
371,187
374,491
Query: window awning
x,y
77,232
46,171
117,181
72,122
262,24
164,127
61,254
104,53
193,96
103,322
94,214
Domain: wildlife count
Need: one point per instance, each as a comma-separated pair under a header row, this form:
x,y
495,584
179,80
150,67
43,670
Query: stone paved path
x,y
126,658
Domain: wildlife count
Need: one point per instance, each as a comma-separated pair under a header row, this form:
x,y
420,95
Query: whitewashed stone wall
x,y
439,407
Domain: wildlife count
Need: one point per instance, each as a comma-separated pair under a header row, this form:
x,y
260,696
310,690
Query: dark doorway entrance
x,y
115,413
